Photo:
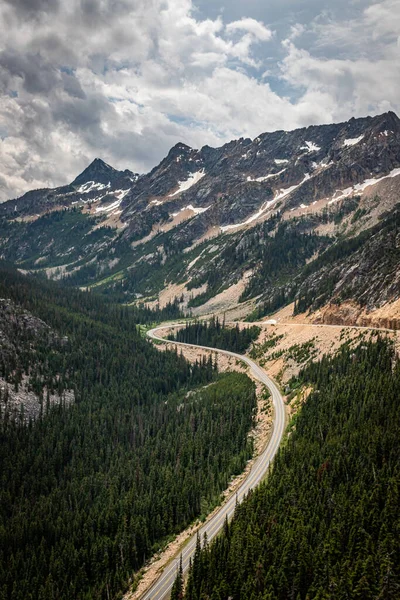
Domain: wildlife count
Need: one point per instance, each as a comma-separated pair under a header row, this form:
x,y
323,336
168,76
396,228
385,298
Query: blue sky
x,y
127,79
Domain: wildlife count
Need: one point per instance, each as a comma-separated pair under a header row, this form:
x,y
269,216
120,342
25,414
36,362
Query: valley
x,y
294,346
143,319
258,469
199,300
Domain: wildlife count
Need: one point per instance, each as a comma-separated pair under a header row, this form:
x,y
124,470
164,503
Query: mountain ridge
x,y
135,235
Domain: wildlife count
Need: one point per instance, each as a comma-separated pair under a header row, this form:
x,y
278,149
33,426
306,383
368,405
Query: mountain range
x,y
228,225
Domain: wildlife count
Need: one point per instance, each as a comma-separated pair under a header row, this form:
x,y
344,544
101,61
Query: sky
x,y
125,80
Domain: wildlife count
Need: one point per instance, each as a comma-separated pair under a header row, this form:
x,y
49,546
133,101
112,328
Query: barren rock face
x,y
25,341
238,178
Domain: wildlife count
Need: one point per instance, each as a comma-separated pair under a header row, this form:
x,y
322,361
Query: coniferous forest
x,y
215,334
326,524
91,490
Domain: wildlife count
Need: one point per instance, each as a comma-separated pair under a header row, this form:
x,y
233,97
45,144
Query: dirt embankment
x,y
287,343
350,313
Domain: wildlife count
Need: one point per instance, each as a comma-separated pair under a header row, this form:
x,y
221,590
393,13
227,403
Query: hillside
x,y
93,486
109,447
33,374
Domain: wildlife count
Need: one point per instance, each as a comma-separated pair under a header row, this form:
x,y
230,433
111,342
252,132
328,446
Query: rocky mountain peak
x,y
239,183
98,171
388,122
179,148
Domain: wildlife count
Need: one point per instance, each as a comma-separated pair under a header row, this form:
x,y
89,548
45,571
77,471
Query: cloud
x,y
365,78
257,29
31,7
296,31
127,79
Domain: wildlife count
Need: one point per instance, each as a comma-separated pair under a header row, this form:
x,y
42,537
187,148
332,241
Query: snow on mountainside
x,y
238,180
192,179
98,182
245,178
139,229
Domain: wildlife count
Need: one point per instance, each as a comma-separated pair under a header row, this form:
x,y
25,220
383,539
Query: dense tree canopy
x,y
90,491
214,333
326,524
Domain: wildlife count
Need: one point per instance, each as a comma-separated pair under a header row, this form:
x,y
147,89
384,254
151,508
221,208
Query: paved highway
x,y
162,586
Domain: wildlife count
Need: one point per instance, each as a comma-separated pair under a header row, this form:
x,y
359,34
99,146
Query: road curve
x,y
162,586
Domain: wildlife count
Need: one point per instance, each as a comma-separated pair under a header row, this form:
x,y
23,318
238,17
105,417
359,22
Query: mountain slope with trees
x,y
91,490
326,522
256,210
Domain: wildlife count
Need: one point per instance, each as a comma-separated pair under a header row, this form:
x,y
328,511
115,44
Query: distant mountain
x,y
242,181
97,172
99,180
100,173
196,217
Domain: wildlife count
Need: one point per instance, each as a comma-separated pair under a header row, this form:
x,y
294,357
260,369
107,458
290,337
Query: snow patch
x,y
191,180
196,210
352,141
281,161
254,217
282,194
360,187
285,192
321,165
91,185
120,194
108,208
310,147
155,202
270,176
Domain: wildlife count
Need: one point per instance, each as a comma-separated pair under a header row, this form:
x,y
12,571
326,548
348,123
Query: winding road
x,y
162,586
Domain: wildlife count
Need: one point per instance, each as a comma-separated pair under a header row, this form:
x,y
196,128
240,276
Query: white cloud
x,y
296,31
127,80
365,79
384,18
257,29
